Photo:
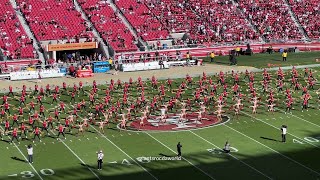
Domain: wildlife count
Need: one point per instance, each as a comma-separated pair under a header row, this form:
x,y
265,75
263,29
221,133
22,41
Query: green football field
x,y
256,150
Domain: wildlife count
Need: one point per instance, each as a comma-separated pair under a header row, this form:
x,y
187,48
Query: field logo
x,y
173,122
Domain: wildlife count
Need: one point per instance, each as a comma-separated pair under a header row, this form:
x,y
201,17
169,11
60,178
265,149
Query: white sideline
x,y
274,151
182,157
232,156
24,156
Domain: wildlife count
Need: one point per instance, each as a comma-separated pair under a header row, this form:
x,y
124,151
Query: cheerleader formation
x,y
32,113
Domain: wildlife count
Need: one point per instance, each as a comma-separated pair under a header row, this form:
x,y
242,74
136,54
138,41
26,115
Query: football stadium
x,y
159,89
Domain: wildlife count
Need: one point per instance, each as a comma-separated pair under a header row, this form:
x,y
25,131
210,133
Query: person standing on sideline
x,y
212,55
226,148
283,132
30,153
100,159
284,55
179,146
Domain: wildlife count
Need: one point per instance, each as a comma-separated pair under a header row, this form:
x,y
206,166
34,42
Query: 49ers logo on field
x,y
174,122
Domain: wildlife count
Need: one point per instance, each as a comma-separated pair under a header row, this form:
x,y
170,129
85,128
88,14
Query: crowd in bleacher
x,y
272,19
205,22
308,14
14,42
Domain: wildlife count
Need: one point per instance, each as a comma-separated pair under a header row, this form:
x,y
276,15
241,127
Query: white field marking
x,y
123,151
23,156
181,157
113,135
232,156
298,117
78,157
274,151
278,128
118,148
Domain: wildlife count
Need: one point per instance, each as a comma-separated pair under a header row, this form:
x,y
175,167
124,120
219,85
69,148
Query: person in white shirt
x,y
100,159
30,153
226,147
283,133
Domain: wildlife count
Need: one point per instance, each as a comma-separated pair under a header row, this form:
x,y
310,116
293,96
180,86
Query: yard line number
x,y
29,174
308,139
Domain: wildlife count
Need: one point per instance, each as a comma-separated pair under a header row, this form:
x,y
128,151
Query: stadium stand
x,y
308,14
14,42
204,20
109,25
54,20
142,19
271,18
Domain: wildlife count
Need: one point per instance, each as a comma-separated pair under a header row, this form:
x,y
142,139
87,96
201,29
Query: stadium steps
x,y
248,21
295,20
104,46
127,23
36,44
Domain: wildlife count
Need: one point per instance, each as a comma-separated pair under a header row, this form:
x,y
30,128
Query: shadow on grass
x,y
19,159
266,138
219,165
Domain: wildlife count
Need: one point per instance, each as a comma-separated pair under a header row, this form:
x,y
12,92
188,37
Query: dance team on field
x,y
23,114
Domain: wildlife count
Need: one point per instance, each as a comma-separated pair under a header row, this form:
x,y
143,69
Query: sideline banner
x,y
143,66
72,46
24,75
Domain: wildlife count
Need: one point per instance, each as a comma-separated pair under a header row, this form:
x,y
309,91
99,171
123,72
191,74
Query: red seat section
x,y
109,25
13,40
143,20
54,19
308,14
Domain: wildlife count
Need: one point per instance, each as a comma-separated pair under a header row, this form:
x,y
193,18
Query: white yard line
x,y
119,148
274,151
24,156
123,151
278,128
77,157
181,157
232,155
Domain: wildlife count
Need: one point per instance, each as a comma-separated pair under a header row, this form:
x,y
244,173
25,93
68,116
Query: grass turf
x,y
256,153
262,60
